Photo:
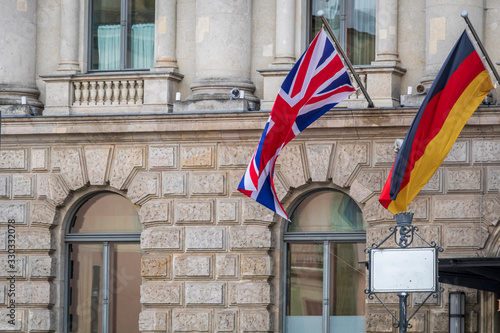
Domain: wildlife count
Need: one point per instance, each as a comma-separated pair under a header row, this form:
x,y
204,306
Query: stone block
x,y
14,210
319,158
349,158
253,212
383,153
23,186
225,321
42,214
231,156
34,239
207,183
250,238
174,183
19,321
374,211
292,166
3,240
435,184
465,236
41,320
156,267
68,162
379,322
14,159
193,267
126,162
52,188
41,266
155,212
256,321
431,233
144,186
280,184
5,183
193,211
2,294
471,295
249,293
199,156
491,210
205,238
234,179
464,179
459,153
161,238
162,157
359,192
18,269
228,211
471,322
205,293
253,266
418,322
191,321
420,206
486,151
493,179
33,293
161,293
39,159
440,321
153,321
456,208
372,180
227,266
98,160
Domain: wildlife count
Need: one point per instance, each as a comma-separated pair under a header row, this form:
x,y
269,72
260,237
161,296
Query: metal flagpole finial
x,y
403,219
464,14
320,13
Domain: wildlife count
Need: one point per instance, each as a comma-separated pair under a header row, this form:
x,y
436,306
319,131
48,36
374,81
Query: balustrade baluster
x,y
78,93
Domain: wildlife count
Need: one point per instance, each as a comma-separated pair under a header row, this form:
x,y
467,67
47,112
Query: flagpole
x,y
465,15
346,59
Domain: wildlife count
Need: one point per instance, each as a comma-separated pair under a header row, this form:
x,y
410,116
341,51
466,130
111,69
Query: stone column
x,y
443,27
223,52
165,34
18,91
68,52
387,33
285,34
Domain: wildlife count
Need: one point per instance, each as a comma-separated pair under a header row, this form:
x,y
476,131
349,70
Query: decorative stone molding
x,y
98,161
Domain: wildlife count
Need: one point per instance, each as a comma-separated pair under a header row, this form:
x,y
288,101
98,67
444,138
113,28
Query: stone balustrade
x,y
127,92
115,92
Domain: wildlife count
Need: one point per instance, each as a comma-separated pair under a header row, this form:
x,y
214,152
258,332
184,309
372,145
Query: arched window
x,y
104,263
325,274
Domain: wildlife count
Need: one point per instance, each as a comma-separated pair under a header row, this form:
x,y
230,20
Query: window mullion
x,y
105,287
123,33
326,287
343,24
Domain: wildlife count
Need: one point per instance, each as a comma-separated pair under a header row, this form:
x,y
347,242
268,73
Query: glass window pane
x,y
125,283
347,297
85,288
141,35
327,211
106,212
331,9
105,34
361,32
305,288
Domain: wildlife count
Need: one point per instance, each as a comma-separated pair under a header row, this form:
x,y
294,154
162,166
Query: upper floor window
x,y
325,275
353,22
104,271
122,34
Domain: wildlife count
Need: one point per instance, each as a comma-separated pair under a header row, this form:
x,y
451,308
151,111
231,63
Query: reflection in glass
x,y
141,32
106,34
327,211
85,288
347,298
106,212
352,22
305,286
124,290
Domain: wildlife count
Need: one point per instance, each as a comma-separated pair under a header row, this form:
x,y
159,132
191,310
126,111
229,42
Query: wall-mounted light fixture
x,y
457,312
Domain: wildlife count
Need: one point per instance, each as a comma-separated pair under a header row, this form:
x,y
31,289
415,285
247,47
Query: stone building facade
x,y
172,142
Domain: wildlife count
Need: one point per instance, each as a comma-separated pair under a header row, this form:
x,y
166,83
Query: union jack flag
x,y
316,83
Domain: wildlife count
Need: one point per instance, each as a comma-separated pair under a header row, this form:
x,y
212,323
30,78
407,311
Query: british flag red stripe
x,y
316,83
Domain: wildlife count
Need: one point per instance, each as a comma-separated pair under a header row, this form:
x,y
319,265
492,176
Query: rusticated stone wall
x,y
212,258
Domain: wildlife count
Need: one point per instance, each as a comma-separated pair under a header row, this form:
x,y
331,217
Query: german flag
x,y
460,86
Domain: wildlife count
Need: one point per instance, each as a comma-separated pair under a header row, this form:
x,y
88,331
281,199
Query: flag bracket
x,y
465,15
346,59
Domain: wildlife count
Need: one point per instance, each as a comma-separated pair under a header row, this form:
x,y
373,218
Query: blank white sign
x,y
403,270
